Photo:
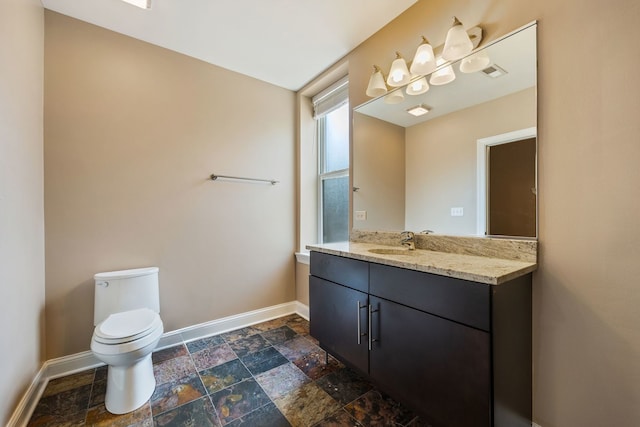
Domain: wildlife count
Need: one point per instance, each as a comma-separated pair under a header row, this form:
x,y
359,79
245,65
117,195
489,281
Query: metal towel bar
x,y
271,181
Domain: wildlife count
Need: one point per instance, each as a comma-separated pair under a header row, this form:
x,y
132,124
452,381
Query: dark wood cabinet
x,y
456,352
340,315
431,363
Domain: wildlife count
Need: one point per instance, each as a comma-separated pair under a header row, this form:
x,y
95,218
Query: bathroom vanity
x,y
448,335
445,328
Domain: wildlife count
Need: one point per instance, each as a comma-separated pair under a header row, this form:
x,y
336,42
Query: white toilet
x,y
128,328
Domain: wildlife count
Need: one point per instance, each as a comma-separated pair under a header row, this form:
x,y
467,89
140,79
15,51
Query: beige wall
x,y
441,161
586,335
132,132
379,173
586,290
21,199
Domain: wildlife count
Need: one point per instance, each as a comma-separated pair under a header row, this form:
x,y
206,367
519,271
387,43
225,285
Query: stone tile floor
x,y
270,374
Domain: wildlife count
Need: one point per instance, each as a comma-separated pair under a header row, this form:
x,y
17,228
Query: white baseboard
x,y
27,404
302,310
226,324
71,364
78,362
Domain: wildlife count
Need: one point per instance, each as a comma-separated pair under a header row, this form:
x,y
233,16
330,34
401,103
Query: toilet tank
x,y
124,290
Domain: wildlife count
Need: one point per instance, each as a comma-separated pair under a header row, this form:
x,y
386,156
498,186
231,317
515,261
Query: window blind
x,y
331,98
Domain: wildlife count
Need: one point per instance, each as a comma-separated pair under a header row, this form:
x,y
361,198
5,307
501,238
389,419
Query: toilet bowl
x,y
125,341
127,330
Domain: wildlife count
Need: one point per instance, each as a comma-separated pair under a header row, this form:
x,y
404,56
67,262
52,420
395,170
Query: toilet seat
x,y
127,326
119,349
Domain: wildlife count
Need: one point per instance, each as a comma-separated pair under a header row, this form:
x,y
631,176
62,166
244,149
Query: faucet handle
x,y
407,235
408,240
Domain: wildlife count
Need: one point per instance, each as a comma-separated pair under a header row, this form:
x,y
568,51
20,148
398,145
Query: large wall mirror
x,y
468,166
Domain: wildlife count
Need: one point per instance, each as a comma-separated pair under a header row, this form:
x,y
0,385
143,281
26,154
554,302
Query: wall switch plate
x,y
457,211
361,215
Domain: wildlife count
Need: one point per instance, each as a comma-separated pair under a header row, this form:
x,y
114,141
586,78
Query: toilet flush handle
x,y
103,284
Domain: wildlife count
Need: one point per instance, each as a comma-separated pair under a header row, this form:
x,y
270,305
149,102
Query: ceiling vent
x,y
494,71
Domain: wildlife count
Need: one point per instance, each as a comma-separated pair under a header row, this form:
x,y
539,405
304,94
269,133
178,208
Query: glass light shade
x,y
457,44
424,61
376,85
144,4
394,97
476,62
418,87
399,73
443,75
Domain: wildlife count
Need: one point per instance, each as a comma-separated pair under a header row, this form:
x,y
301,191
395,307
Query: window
x,y
331,111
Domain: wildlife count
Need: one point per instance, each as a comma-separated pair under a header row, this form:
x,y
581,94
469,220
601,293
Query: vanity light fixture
x,y
394,97
417,87
399,73
457,44
143,4
418,110
424,61
376,85
443,75
476,62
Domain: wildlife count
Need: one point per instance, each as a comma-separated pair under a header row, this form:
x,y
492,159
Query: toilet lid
x,y
127,326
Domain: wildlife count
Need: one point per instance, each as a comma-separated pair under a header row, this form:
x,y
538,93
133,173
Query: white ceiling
x,y
283,42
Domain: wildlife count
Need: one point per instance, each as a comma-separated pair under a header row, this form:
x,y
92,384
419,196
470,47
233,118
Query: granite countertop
x,y
492,271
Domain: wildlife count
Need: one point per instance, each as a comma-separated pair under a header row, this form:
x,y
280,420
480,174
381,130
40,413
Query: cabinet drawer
x,y
345,271
459,300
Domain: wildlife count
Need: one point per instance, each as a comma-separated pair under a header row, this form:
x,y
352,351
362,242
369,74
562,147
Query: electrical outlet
x,y
457,211
361,215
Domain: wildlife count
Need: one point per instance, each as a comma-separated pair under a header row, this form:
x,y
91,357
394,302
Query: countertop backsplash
x,y
505,248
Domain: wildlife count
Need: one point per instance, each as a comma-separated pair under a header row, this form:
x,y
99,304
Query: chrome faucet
x,y
408,240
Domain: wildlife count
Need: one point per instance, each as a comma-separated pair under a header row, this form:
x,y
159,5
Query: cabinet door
x,y
334,318
439,367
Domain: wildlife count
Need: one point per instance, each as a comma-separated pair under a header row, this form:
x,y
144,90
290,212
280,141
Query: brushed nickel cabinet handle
x,y
371,339
360,333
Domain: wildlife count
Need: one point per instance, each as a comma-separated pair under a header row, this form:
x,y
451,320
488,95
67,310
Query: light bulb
x,y
476,62
143,4
418,87
376,85
443,75
399,73
394,97
457,44
424,62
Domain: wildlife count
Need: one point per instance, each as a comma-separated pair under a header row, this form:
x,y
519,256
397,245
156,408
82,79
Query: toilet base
x,y
129,387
